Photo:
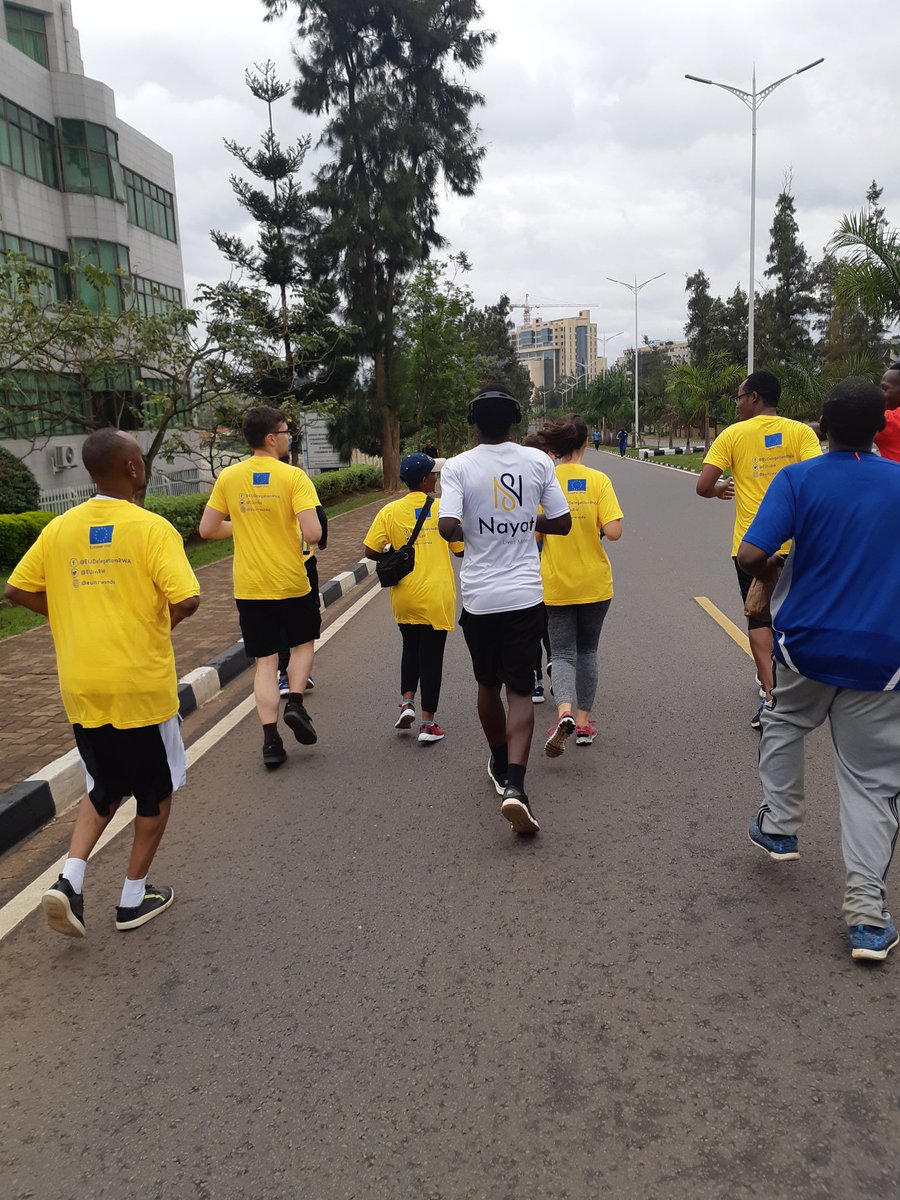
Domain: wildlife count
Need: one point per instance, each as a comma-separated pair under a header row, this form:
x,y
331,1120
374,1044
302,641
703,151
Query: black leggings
x,y
422,662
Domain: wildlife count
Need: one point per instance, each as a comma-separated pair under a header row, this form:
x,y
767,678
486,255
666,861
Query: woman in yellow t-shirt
x,y
577,581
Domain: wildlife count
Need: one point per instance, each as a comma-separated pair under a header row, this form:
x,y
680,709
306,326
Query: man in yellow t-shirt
x,y
755,448
268,507
114,580
424,602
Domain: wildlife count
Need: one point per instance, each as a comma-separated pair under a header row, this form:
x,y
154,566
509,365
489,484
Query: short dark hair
x,y
102,449
853,413
259,423
765,384
564,436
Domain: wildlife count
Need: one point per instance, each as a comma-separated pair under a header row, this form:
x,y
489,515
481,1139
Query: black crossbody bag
x,y
395,565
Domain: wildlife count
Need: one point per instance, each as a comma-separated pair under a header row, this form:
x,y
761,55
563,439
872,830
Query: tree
x,y
703,329
806,380
735,320
491,330
398,126
869,270
19,490
695,387
784,309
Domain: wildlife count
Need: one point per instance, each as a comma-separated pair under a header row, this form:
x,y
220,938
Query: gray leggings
x,y
574,635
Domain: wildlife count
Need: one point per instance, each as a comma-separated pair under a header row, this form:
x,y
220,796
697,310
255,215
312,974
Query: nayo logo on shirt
x,y
261,478
101,535
507,498
577,485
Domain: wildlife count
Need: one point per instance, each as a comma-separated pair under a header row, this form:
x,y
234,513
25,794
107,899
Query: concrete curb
x,y
28,805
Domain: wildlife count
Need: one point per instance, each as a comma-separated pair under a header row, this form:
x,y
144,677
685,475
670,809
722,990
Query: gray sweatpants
x,y
865,734
574,636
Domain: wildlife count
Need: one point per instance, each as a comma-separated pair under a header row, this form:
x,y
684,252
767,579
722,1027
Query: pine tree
x,y
703,330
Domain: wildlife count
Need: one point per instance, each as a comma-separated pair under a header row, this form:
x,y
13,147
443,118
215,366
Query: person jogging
x,y
596,436
490,498
837,652
622,439
424,602
577,581
266,505
888,439
755,448
114,581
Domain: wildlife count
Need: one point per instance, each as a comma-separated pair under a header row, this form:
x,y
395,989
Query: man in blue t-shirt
x,y
837,650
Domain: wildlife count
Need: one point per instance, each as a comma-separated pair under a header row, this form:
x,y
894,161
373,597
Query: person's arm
x,y
214,525
36,601
375,555
553,501
184,608
560,525
309,525
450,529
612,530
712,486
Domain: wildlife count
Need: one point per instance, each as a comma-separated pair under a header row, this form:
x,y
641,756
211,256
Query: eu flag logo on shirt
x,y
577,485
773,439
101,535
261,478
418,513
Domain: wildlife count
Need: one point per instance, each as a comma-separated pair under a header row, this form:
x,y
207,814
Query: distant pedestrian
x,y
267,506
837,652
491,497
888,439
622,439
577,580
424,602
114,581
755,448
596,436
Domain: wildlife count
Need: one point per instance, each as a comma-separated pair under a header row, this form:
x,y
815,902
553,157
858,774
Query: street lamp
x,y
608,337
753,100
635,288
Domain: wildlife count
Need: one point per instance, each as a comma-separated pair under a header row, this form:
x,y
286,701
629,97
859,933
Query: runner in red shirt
x,y
888,441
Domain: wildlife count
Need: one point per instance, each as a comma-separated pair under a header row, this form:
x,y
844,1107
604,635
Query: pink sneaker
x,y
585,734
430,731
559,735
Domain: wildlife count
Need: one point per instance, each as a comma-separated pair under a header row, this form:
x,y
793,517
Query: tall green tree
x,y
491,330
390,79
782,329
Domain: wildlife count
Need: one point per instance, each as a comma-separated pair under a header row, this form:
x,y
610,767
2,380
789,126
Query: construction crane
x,y
526,306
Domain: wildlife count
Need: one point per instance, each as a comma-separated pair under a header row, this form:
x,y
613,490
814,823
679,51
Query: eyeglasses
x,y
744,395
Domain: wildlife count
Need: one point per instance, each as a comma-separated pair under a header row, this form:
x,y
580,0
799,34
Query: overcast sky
x,y
602,159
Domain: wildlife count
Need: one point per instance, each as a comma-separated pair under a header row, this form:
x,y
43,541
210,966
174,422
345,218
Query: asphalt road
x,y
369,987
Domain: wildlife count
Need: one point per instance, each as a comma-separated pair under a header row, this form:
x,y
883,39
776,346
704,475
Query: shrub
x,y
184,512
334,484
18,531
19,490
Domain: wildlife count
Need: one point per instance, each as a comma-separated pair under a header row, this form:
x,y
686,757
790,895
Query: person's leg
x,y
409,660
431,668
492,716
300,666
148,833
562,627
760,638
865,733
799,705
589,620
519,731
265,689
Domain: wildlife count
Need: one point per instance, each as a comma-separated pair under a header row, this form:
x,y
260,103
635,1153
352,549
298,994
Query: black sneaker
x,y
498,780
274,752
515,809
64,909
156,900
298,719
756,719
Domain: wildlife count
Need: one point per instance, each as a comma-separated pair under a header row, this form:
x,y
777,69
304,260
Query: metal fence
x,y
174,483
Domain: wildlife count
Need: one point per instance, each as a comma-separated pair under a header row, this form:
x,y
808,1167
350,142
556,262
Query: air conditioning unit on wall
x,y
63,456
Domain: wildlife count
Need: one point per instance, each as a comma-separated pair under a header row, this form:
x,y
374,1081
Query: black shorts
x,y
148,763
505,646
266,624
744,581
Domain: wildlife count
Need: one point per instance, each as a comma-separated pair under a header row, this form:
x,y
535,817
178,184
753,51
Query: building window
x,y
27,144
110,258
55,284
154,299
27,31
90,159
33,404
149,206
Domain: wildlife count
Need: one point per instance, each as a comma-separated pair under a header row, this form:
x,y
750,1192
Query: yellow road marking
x,y
736,635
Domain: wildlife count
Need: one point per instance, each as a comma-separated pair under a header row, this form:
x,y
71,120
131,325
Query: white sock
x,y
133,892
73,871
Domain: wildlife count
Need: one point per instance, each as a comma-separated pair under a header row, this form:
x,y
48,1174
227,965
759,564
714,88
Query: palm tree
x,y
869,274
692,387
806,380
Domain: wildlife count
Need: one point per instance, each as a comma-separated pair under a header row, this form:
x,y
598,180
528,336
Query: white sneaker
x,y
407,717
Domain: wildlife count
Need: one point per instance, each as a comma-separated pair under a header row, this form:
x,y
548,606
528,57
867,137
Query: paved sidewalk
x,y
34,729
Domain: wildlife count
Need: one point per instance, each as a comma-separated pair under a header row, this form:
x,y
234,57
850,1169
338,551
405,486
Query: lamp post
x,y
604,338
753,100
635,288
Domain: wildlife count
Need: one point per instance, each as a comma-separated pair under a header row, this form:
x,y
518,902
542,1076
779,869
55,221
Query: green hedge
x,y
335,484
184,512
19,490
17,533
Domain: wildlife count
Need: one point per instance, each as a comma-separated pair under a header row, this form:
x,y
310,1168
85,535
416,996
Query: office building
x,y
559,351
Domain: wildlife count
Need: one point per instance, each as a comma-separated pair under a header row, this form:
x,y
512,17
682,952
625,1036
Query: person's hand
x,y
725,489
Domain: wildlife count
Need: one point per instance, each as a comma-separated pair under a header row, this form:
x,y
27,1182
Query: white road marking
x,y
17,909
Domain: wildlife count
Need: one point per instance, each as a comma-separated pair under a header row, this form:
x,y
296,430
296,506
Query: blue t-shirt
x,y
836,609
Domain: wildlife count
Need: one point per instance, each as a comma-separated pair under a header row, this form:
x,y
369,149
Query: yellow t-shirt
x,y
110,571
427,596
756,450
574,568
262,496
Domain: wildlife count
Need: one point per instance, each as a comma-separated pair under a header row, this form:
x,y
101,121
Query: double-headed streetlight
x,y
608,337
753,100
635,288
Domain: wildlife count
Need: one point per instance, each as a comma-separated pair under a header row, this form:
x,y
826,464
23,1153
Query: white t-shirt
x,y
495,492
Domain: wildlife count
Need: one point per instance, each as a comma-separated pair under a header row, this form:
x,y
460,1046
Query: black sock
x,y
515,776
295,698
270,732
501,759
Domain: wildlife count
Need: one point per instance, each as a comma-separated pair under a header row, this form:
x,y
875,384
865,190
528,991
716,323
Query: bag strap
x,y
423,517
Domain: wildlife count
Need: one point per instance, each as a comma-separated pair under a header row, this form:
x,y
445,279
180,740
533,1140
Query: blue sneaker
x,y
284,688
776,845
870,941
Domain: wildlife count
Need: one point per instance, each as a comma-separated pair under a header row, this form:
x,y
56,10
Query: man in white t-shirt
x,y
489,499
